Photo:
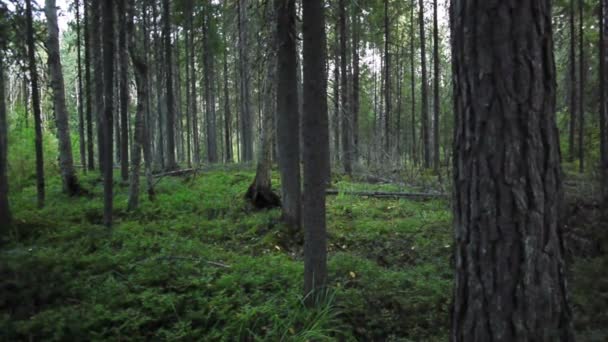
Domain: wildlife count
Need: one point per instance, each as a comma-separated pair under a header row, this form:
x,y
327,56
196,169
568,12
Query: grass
x,y
200,264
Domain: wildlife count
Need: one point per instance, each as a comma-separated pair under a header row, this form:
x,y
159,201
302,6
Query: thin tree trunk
x,y
355,81
426,141
195,130
66,163
108,73
89,89
316,149
337,116
603,104
227,114
187,33
170,117
387,82
209,92
123,61
581,88
98,77
436,81
81,123
288,121
572,84
510,276
246,119
5,212
346,114
413,82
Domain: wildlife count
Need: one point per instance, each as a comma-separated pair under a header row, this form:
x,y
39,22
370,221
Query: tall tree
x,y
123,64
603,104
209,77
89,89
108,82
572,84
356,77
5,212
436,81
288,121
31,54
194,109
66,163
581,86
170,114
387,81
424,113
346,114
315,146
510,277
81,122
244,100
227,113
413,81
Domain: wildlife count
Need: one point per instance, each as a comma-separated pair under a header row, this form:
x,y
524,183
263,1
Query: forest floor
x,y
199,263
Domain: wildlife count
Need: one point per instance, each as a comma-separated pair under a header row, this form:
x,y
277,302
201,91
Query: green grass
x,y
199,264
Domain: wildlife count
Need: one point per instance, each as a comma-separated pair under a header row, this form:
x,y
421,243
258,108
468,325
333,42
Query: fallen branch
x,y
175,173
380,194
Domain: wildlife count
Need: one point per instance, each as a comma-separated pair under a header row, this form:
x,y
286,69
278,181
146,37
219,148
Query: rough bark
x,y
123,62
66,163
510,277
108,74
355,80
572,84
245,103
5,212
336,94
195,131
414,150
209,76
89,90
581,88
227,113
288,121
31,52
424,113
315,148
603,103
98,77
436,81
170,114
387,81
81,120
346,114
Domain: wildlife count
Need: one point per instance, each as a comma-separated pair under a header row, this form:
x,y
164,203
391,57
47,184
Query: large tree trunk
x,y
31,56
387,82
315,148
581,87
246,117
604,104
108,73
123,61
436,81
288,121
346,114
66,163
89,89
81,123
170,117
424,113
510,277
572,84
209,91
5,212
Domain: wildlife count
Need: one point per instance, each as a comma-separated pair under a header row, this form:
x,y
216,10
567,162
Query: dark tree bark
x,y
245,103
31,52
81,122
581,87
288,121
316,147
195,131
572,84
187,33
336,94
227,113
436,81
66,162
89,90
414,150
170,115
424,113
356,85
510,277
108,74
387,81
209,77
5,212
123,62
346,114
98,77
603,103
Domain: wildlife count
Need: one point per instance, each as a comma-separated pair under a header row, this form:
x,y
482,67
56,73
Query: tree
x,y
356,79
346,114
572,84
194,109
510,281
413,81
387,81
81,123
108,73
123,64
424,114
66,163
5,212
246,118
288,121
98,76
31,54
603,104
170,117
209,76
436,80
89,89
227,113
581,87
315,146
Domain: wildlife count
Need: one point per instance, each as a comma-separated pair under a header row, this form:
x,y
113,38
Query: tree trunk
x,y
288,121
209,91
603,104
355,81
337,115
98,77
387,83
170,117
123,61
581,88
5,212
346,114
413,82
315,147
510,276
108,73
572,85
66,163
81,122
436,80
227,114
246,118
424,113
89,90
31,51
